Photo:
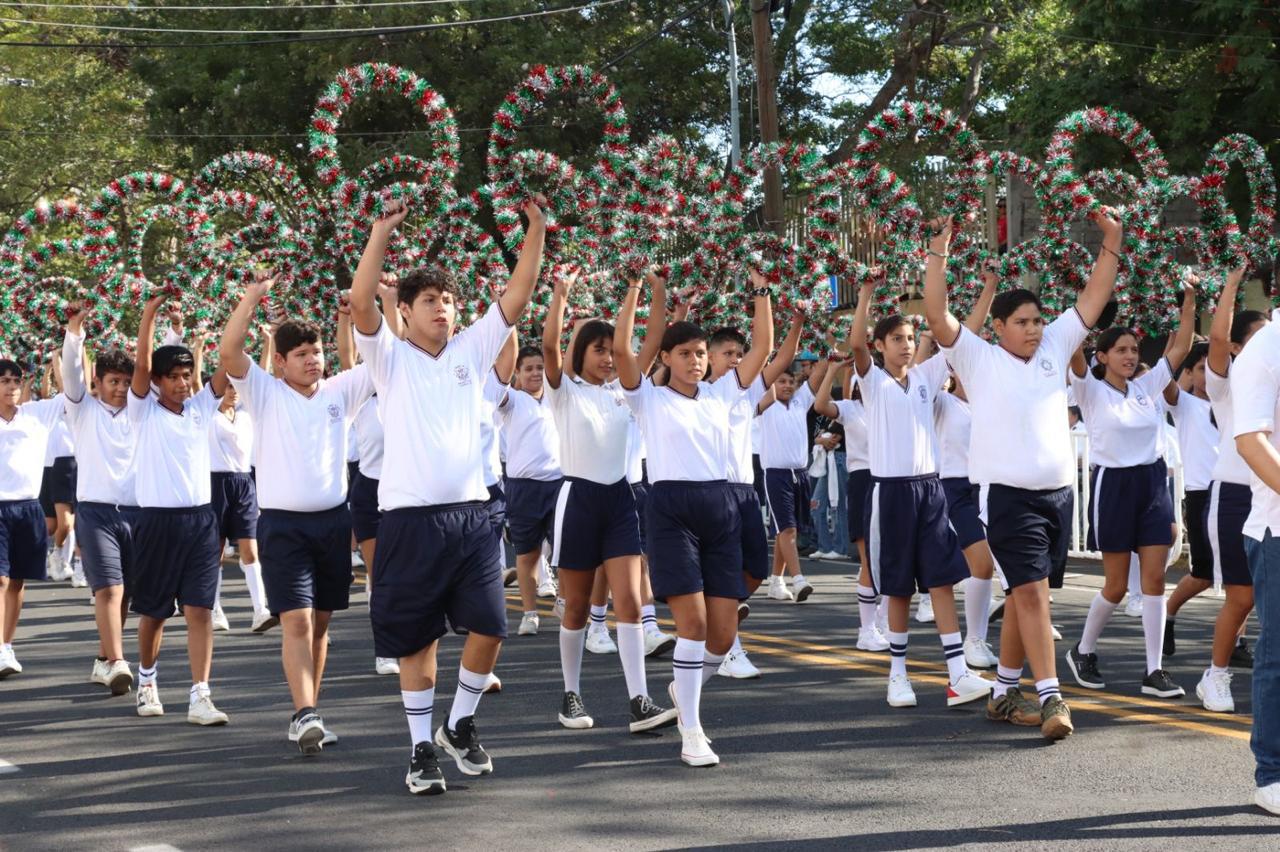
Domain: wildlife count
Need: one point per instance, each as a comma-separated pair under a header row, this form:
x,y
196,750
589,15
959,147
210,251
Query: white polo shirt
x,y
489,451
1197,439
741,416
171,457
368,438
231,442
23,441
687,436
1126,428
784,431
636,452
594,424
1229,467
1019,437
60,445
104,436
952,423
852,415
431,408
900,439
1255,406
533,444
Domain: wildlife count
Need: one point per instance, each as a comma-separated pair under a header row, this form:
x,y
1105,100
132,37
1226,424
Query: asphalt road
x,y
812,757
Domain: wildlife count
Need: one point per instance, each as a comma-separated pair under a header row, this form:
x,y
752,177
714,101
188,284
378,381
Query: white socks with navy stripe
x,y
897,654
470,687
417,710
1048,688
649,618
953,648
1006,679
686,665
710,665
867,601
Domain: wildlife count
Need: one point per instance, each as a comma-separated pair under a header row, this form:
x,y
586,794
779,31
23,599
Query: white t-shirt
x,y
60,444
493,391
1126,429
1229,467
952,421
1019,436
231,442
533,444
741,416
784,431
1197,439
104,437
852,415
900,439
171,457
23,441
431,408
687,436
1255,407
368,438
635,450
302,441
593,423
353,445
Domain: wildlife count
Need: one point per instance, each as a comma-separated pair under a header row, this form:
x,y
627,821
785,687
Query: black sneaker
x,y
424,777
1170,645
1084,668
647,716
1159,684
463,745
1241,656
573,713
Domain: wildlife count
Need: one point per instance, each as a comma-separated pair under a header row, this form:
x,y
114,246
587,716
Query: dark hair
x,y
1195,355
434,277
113,361
10,368
527,352
726,335
680,333
888,326
294,333
589,333
789,374
166,359
1004,304
1244,321
1106,342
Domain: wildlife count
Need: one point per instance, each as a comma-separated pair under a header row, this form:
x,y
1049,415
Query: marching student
x,y
301,423
595,511
1129,505
24,434
784,455
910,542
436,542
1020,453
105,495
1255,409
58,489
1229,516
175,539
693,524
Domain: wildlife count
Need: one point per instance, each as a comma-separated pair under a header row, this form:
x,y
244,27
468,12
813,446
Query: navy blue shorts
x,y
496,506
58,485
1195,513
695,540
641,491
364,508
306,559
595,522
757,479
176,556
353,468
1129,507
755,541
962,509
858,492
910,542
1028,532
105,535
235,505
787,493
531,512
23,540
433,563
1229,504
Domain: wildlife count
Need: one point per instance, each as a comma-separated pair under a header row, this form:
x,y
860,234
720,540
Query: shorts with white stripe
x,y
1229,505
910,542
1129,507
593,523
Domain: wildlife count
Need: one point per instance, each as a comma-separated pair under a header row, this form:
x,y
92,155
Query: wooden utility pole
x,y
766,94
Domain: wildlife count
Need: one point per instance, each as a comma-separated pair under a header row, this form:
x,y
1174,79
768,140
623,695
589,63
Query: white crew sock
x,y
710,665
736,647
1099,612
1006,679
466,699
649,618
597,617
686,665
68,548
798,580
631,654
199,689
145,676
897,653
867,607
1135,577
417,710
544,572
1047,689
953,649
1153,615
253,580
977,607
571,645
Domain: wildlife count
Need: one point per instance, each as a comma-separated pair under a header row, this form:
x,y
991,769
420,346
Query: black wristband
x,y
761,291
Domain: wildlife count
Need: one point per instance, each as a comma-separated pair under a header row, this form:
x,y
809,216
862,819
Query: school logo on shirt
x,y
924,394
1046,368
334,411
462,374
1142,400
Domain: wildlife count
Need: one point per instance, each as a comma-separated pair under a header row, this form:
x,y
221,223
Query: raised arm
x,y
1102,281
786,354
769,398
982,307
505,364
364,286
1220,331
346,343
946,328
231,346
858,333
1079,366
624,359
389,296
74,383
141,384
925,348
822,403
198,339
1180,340
553,330
761,333
656,326
520,286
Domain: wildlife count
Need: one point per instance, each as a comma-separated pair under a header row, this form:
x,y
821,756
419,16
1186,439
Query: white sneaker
x,y
657,643
492,684
9,664
801,588
307,732
357,561
696,748
557,609
386,665
871,639
817,554
528,625
78,580
1268,798
738,666
149,701
119,677
778,590
1133,608
882,621
99,673
263,621
202,712
54,568
599,641
547,589
220,618
968,688
330,738
1214,691
924,610
1057,634
900,692
229,551
978,655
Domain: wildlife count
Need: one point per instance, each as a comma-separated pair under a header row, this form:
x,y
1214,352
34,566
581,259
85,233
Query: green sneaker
x,y
1055,719
1015,708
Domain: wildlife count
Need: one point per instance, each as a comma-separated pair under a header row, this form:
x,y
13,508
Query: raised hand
x,y
1108,221
393,213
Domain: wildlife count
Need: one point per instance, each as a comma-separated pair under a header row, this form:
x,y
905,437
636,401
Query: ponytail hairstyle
x,y
1243,324
1106,342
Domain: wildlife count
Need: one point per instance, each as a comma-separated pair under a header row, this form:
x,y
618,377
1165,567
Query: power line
x,y
284,134
661,31
102,7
